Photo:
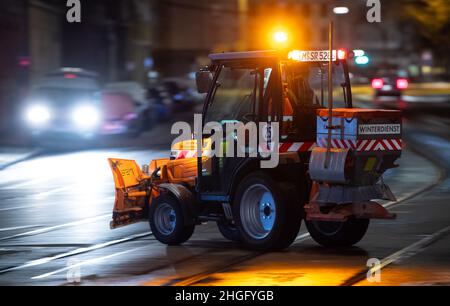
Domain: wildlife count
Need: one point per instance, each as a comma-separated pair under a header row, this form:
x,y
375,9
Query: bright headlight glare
x,y
86,116
37,114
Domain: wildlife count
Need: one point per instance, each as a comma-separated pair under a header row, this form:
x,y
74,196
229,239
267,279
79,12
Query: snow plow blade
x,y
126,173
131,192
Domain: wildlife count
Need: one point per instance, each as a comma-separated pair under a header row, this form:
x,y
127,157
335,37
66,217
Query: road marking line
x,y
6,229
78,251
17,207
26,157
109,199
86,262
398,256
52,228
302,237
413,249
33,193
412,194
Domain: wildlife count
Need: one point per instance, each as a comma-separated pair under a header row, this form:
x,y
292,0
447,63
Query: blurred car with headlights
x,y
126,109
389,83
64,103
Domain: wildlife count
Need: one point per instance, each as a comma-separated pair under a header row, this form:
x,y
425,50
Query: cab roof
x,y
294,55
247,55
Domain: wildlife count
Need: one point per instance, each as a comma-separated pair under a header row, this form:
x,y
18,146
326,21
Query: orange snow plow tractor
x,y
331,157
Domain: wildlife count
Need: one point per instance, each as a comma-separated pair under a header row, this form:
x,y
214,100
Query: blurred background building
x,y
141,40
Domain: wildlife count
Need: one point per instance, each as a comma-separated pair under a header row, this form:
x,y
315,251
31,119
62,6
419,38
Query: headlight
x,y
86,117
37,115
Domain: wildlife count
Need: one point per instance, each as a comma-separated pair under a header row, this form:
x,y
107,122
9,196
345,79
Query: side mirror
x,y
203,80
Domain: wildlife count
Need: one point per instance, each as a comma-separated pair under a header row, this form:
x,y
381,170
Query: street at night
x,y
56,209
335,171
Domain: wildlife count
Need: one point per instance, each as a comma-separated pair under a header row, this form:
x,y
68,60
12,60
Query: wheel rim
x,y
165,219
258,211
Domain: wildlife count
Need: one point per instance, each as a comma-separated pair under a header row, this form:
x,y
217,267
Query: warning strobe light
x,y
280,37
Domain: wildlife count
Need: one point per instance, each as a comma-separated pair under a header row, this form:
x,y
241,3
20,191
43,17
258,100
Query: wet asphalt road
x,y
54,229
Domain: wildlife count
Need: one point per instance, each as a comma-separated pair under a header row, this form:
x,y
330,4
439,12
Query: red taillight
x,y
24,62
402,83
70,76
377,83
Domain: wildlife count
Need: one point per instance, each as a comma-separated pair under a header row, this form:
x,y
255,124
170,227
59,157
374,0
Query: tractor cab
x,y
266,87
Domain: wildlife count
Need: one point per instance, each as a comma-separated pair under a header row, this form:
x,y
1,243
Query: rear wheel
x,y
167,221
229,231
332,234
267,217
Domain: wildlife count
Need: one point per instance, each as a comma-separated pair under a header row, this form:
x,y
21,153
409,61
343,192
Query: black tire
x,y
338,234
286,221
229,231
174,233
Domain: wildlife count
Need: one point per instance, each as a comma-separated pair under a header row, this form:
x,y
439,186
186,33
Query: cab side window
x,y
300,101
235,95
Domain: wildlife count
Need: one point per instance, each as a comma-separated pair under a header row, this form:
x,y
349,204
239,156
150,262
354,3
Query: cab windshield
x,y
240,91
306,84
235,95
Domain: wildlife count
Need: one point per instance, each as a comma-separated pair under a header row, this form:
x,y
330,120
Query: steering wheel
x,y
249,117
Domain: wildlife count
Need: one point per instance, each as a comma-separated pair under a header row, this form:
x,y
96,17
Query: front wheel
x,y
267,215
335,234
167,221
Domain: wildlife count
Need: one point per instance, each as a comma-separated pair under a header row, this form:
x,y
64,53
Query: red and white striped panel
x,y
181,154
364,145
296,146
284,147
358,145
380,145
339,143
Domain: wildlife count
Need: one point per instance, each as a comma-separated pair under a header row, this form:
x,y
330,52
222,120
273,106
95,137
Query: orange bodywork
x,y
134,190
130,191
